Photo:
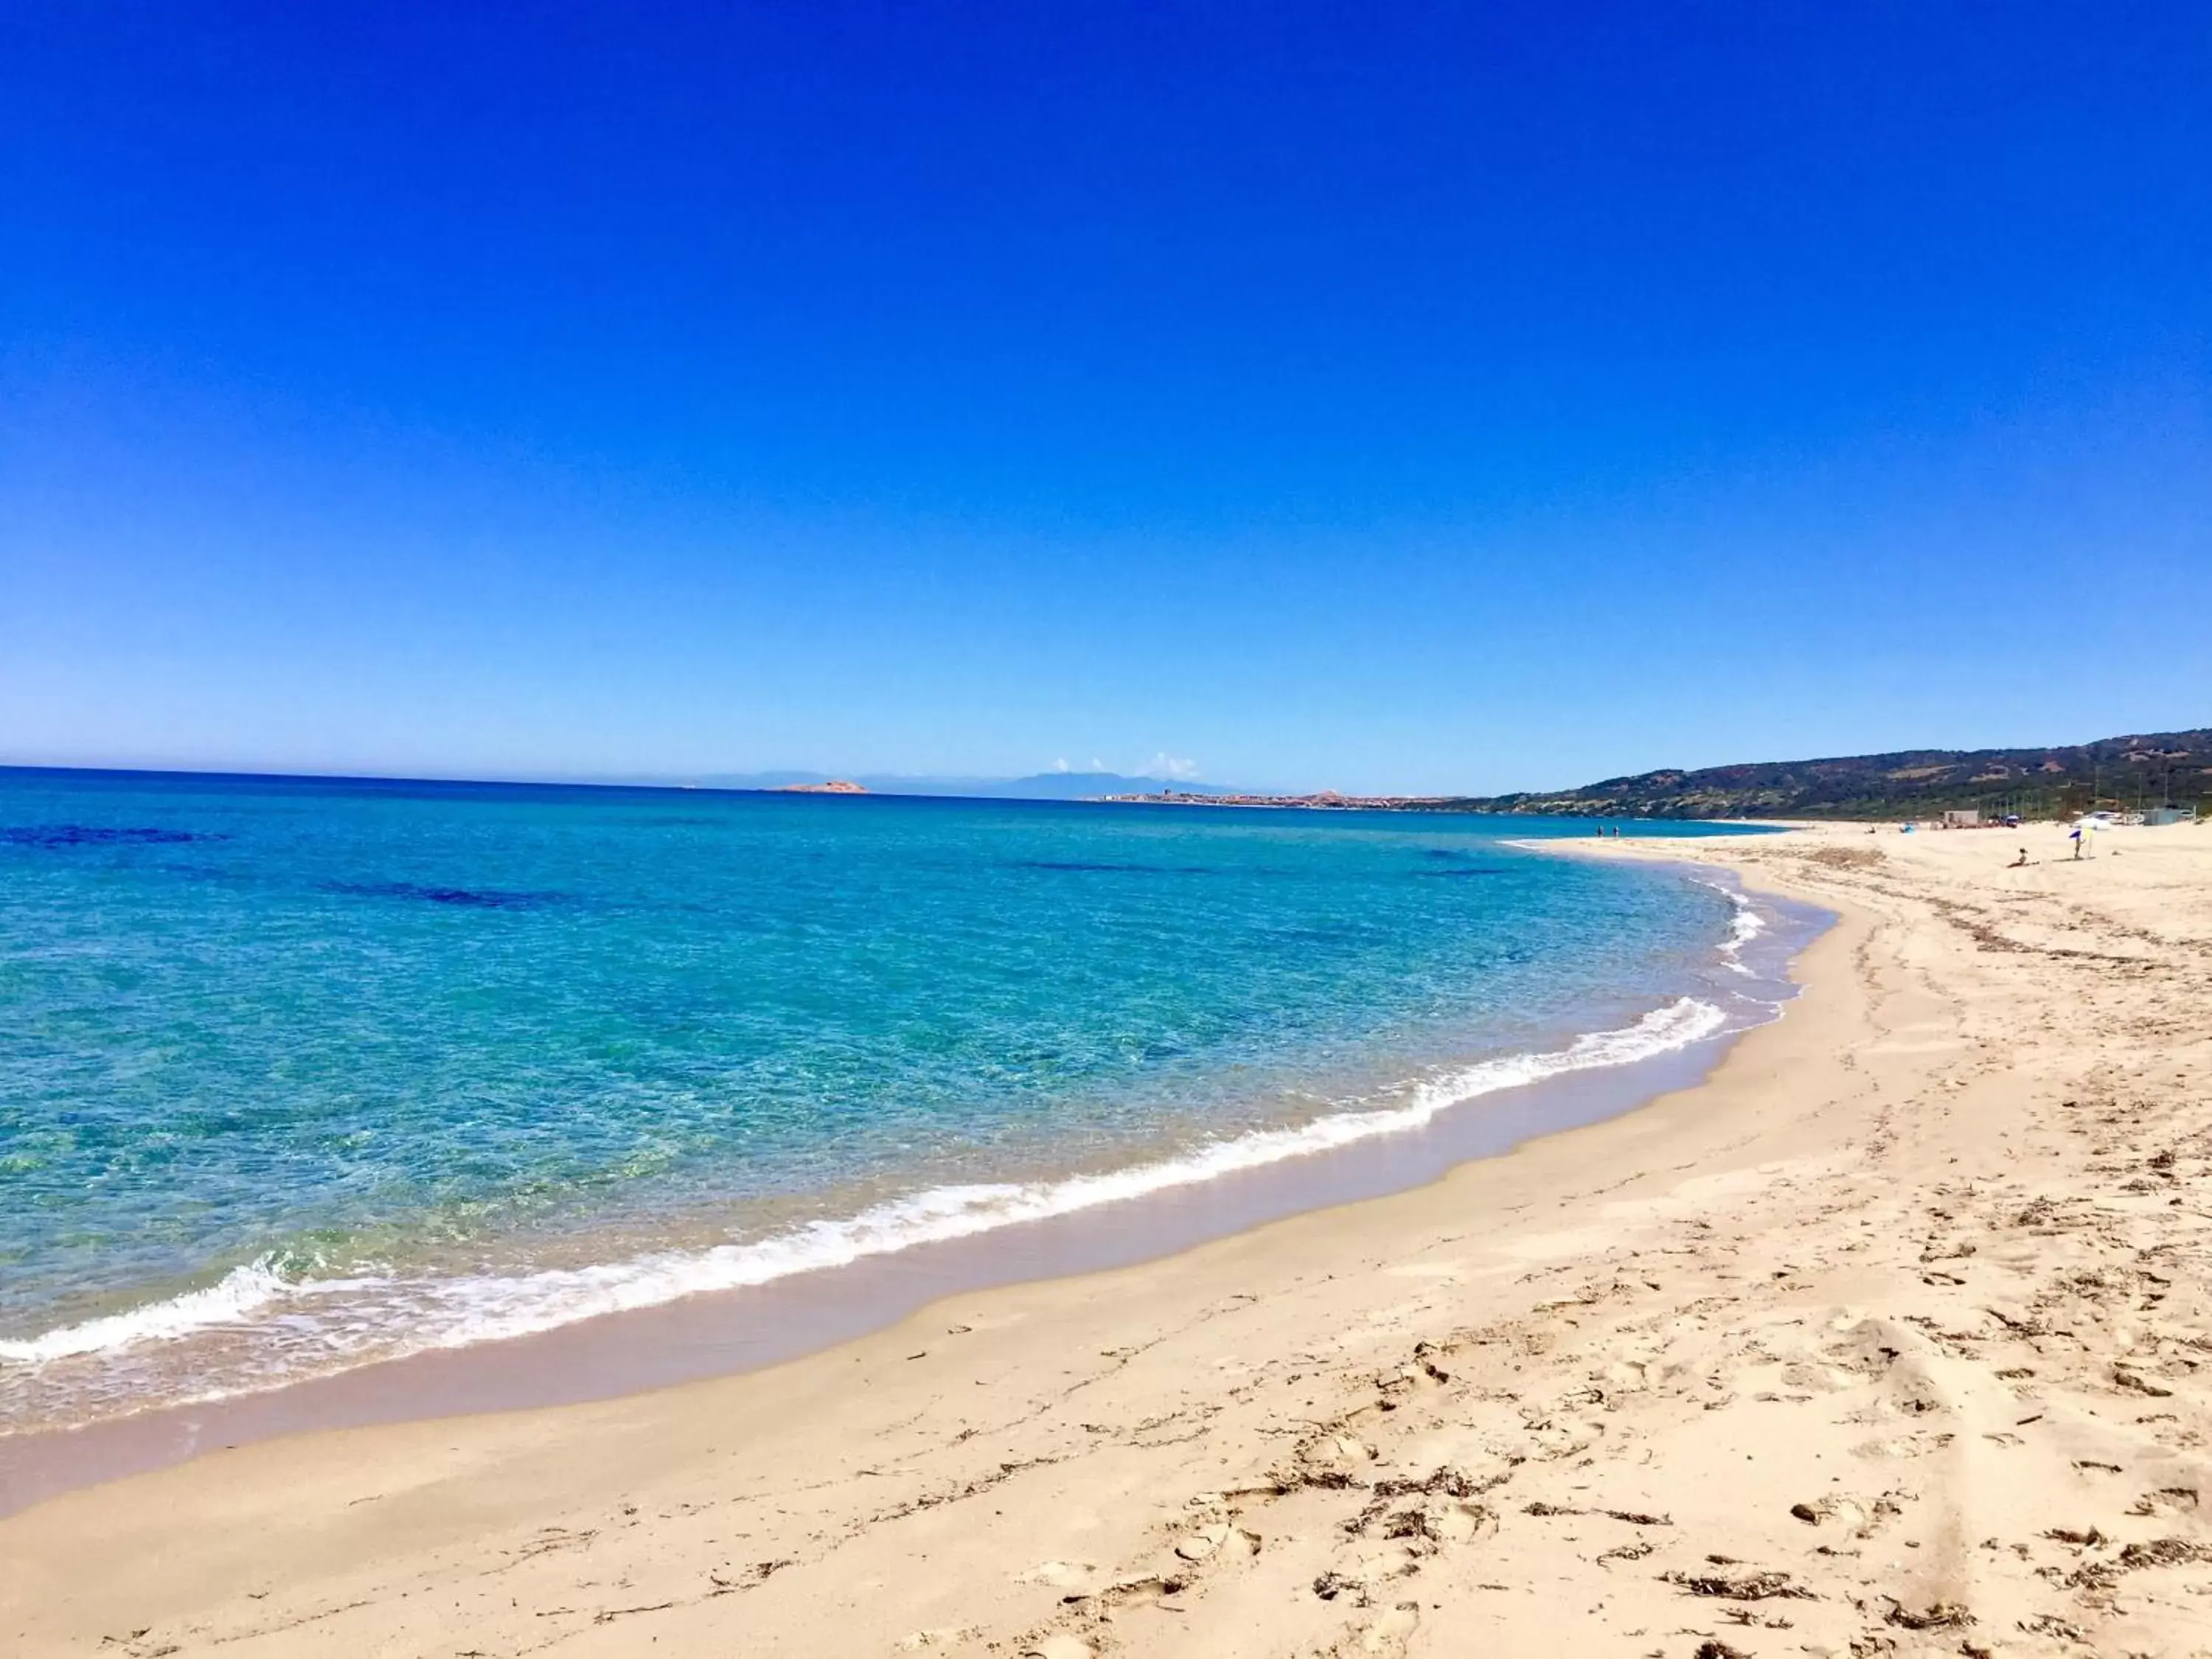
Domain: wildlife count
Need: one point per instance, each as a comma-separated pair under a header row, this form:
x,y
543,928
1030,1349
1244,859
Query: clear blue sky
x,y
1414,397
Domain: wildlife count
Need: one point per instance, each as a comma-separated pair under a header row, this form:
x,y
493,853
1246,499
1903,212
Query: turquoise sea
x,y
298,1075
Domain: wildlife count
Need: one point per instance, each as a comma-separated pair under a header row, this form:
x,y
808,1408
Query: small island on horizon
x,y
830,786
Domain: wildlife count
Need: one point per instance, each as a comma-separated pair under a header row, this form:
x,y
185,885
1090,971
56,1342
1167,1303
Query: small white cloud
x,y
1059,765
1097,765
1164,765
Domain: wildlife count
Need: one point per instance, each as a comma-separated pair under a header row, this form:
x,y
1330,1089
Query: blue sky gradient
x,y
1454,399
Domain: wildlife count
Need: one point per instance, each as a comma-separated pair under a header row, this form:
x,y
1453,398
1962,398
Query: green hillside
x,y
2122,774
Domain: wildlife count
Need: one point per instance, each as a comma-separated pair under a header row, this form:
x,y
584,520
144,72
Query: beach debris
x,y
2090,1539
2164,1553
2175,1497
1754,1584
1632,1517
608,1615
754,1575
1449,1481
2134,1384
1937,1615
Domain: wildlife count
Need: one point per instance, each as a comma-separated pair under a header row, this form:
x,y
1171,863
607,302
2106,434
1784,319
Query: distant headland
x,y
2147,770
831,786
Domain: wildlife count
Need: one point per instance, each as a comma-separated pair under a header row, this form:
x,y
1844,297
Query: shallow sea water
x,y
296,1075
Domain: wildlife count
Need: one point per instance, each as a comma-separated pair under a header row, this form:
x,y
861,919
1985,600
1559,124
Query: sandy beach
x,y
1884,1339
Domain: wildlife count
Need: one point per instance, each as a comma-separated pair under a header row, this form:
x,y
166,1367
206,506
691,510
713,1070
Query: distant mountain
x,y
1041,786
2151,770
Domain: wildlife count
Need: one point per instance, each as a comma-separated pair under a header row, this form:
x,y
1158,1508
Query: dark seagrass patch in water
x,y
96,835
473,898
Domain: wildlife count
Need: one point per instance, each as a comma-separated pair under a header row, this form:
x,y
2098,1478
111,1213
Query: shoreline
x,y
728,1331
638,1098
1864,1298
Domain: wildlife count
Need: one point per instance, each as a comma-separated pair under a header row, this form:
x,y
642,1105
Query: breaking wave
x,y
321,1324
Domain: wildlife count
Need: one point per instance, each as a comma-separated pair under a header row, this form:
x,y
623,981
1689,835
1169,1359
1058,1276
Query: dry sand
x,y
1893,1337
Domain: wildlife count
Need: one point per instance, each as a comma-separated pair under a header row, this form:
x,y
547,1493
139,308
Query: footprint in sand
x,y
1456,1523
1903,1446
1338,1451
1061,1575
922,1641
1387,1635
1854,1517
1219,1539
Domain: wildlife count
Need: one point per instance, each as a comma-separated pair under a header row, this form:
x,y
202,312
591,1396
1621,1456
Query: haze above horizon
x,y
1444,401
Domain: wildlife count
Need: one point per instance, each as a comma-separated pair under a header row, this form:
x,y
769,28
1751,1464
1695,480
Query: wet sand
x,y
1883,1339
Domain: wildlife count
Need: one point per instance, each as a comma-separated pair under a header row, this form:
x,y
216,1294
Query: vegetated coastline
x,y
2150,770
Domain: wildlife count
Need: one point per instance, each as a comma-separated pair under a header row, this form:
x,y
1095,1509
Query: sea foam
x,y
353,1318
1745,926
234,1299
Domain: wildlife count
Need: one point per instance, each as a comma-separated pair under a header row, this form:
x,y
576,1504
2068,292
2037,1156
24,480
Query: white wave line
x,y
457,1312
1745,926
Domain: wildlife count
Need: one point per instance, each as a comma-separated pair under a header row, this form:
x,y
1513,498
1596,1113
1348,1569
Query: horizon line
x,y
674,784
